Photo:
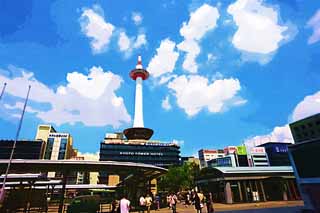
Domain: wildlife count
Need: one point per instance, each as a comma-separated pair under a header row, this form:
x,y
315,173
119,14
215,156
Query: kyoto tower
x,y
138,131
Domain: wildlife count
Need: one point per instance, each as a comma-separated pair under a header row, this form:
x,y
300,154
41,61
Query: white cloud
x,y
314,23
165,59
136,18
166,78
258,30
94,26
140,41
211,58
19,105
201,21
124,42
310,105
195,93
166,103
279,134
178,142
128,45
89,99
89,156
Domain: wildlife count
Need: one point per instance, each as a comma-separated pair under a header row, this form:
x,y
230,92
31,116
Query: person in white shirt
x,y
148,203
124,205
142,203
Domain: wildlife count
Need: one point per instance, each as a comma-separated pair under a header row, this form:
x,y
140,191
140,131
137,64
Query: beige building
x,y
57,145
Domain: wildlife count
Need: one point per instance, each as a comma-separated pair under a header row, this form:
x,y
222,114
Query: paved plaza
x,y
265,207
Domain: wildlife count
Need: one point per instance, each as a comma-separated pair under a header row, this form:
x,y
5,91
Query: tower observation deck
x,y
138,131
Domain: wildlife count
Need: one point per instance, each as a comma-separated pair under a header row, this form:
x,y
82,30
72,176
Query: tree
x,y
179,178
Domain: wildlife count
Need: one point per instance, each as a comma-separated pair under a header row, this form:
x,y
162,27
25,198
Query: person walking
x,y
148,200
142,204
157,202
173,202
114,206
209,203
197,202
124,205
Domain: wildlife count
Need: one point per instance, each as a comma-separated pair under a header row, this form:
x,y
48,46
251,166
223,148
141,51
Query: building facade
x,y
208,154
257,156
25,149
306,129
56,145
249,184
277,153
304,155
116,148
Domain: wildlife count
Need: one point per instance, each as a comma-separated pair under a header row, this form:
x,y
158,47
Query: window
x,y
63,147
49,148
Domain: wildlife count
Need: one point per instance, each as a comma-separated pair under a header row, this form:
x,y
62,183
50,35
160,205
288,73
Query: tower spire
x,y
139,74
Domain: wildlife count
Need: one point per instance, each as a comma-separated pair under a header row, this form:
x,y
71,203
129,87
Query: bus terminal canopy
x,y
68,166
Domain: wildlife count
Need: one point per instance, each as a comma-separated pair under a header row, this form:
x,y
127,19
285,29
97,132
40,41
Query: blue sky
x,y
221,72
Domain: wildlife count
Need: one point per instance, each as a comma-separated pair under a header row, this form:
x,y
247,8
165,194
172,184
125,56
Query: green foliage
x,y
179,178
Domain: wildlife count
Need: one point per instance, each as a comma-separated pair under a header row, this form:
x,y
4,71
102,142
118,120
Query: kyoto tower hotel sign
x,y
138,131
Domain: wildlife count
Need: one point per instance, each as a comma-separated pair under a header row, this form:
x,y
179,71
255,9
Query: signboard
x,y
280,148
241,150
230,150
257,150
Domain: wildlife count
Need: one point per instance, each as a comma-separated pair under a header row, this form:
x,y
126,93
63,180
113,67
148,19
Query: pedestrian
x,y
124,205
168,201
157,202
173,202
197,202
148,200
142,204
114,206
209,203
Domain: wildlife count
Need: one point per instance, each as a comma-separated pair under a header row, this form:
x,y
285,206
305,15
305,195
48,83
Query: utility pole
x,y
2,189
3,89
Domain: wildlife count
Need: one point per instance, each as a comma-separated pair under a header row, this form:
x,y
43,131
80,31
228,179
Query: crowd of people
x,y
146,203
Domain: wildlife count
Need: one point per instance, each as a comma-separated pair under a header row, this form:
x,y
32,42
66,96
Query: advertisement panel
x,y
241,150
257,150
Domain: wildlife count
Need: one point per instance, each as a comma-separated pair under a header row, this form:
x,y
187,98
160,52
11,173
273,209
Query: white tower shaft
x,y
138,110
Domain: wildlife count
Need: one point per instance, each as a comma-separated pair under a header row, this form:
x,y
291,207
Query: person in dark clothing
x,y
197,202
209,203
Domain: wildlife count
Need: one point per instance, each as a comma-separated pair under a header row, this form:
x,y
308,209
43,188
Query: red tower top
x,y
139,71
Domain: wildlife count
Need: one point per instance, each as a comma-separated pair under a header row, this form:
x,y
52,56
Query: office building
x,y
25,149
235,156
226,161
277,153
208,154
304,156
115,148
140,151
257,156
306,129
57,145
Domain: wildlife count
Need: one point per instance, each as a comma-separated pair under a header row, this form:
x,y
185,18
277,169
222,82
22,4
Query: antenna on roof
x,y
3,89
